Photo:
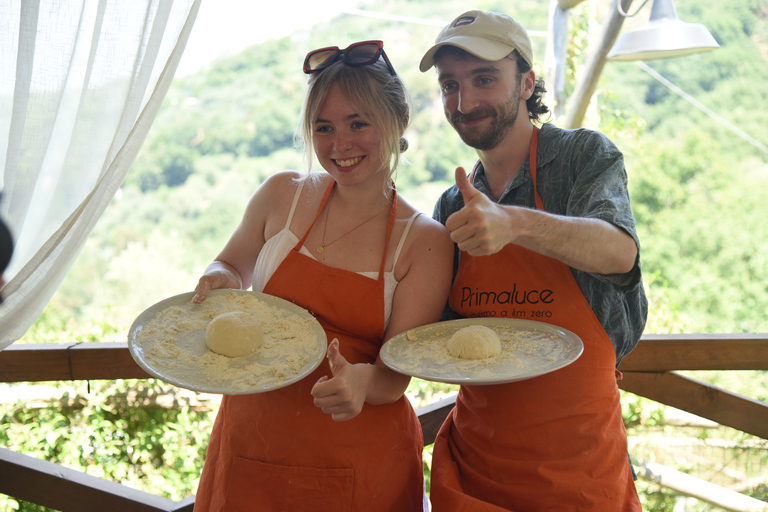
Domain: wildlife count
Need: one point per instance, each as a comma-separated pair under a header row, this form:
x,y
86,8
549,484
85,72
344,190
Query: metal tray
x,y
528,349
168,341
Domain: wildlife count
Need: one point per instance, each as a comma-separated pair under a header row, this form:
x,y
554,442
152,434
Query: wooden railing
x,y
649,371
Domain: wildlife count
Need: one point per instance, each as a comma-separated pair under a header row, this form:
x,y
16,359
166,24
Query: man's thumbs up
x,y
468,191
481,227
463,224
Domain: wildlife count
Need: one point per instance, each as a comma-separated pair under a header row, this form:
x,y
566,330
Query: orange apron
x,y
277,451
554,442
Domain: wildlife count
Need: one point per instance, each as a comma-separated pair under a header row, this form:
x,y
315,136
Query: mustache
x,y
458,117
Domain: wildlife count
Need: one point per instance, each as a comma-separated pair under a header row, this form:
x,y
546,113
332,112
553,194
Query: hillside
x,y
696,186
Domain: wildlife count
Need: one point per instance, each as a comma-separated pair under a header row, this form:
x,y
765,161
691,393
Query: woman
x,y
345,246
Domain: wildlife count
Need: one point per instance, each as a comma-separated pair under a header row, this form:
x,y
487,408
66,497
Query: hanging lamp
x,y
663,37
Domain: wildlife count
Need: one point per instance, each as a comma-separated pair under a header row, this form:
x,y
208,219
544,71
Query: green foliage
x,y
654,498
440,151
422,392
109,429
103,437
710,257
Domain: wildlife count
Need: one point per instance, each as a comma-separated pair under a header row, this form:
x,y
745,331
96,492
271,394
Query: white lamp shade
x,y
664,36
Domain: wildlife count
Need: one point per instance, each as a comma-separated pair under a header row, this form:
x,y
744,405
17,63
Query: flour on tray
x,y
173,344
522,351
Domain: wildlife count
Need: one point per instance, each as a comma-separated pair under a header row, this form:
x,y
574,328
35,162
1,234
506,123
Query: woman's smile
x,y
348,162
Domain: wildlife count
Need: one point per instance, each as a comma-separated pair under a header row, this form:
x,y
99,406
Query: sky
x,y
225,27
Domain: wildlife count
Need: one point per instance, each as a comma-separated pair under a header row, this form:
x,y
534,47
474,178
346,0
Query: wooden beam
x,y
688,485
568,4
701,399
655,353
432,417
555,58
185,505
78,361
54,486
660,353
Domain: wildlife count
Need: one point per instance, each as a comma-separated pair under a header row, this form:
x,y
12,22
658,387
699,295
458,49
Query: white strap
x,y
402,238
295,202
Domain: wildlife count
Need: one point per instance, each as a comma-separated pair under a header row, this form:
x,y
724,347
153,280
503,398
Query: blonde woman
x,y
344,245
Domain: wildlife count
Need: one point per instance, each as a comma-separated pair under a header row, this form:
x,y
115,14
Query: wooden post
x,y
596,58
554,58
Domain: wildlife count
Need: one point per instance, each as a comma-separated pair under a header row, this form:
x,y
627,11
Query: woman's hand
x,y
343,395
217,275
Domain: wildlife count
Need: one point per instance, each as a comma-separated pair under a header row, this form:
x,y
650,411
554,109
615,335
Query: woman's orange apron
x,y
277,451
554,442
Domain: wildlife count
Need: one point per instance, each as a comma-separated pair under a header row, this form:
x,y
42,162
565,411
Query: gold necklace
x,y
322,246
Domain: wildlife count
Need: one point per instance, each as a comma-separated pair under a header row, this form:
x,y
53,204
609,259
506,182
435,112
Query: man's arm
x,y
483,227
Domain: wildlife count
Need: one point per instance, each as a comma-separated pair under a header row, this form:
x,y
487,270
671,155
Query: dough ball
x,y
234,334
474,342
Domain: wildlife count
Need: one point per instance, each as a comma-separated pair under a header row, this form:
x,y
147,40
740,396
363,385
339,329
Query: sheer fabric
x,y
80,85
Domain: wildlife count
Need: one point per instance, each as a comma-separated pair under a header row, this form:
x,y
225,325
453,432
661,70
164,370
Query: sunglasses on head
x,y
363,53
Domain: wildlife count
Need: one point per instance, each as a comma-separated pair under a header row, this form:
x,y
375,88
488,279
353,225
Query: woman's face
x,y
346,145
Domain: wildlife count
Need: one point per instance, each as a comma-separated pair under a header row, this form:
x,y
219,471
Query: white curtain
x,y
81,82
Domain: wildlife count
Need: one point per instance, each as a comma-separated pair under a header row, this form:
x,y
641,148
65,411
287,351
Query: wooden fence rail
x,y
648,371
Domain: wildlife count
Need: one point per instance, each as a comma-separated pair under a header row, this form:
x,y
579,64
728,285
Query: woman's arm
x,y
233,267
420,297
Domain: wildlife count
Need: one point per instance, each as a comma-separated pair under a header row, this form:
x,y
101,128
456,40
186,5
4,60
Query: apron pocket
x,y
256,485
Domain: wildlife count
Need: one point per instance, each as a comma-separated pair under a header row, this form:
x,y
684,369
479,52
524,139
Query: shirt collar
x,y
543,157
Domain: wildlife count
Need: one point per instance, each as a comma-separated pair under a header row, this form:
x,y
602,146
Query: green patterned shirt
x,y
580,173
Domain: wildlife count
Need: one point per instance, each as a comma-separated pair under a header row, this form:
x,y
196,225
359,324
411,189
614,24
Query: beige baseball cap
x,y
488,35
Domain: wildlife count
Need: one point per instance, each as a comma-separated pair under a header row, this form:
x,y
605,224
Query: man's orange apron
x,y
277,451
554,442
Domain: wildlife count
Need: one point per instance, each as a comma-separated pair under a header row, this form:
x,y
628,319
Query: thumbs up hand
x,y
343,395
482,227
468,191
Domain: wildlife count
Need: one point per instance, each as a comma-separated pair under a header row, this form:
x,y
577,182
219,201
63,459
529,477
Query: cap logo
x,y
464,21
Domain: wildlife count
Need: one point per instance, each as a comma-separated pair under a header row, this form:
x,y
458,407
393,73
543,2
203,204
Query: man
x,y
544,211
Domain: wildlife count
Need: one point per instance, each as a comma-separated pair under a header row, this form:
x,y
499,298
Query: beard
x,y
502,121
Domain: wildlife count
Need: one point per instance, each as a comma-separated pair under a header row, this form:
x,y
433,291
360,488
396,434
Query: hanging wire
x,y
621,9
696,103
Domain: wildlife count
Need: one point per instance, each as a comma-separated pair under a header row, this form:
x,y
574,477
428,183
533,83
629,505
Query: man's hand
x,y
482,226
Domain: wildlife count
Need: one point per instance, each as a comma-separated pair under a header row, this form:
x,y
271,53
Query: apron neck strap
x,y
390,226
531,163
317,215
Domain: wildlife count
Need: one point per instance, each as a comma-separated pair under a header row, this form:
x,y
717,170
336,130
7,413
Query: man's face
x,y
481,98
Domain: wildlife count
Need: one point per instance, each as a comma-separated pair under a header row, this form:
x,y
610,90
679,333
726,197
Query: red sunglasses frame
x,y
308,69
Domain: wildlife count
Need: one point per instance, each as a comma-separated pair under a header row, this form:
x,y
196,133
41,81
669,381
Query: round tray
x,y
168,341
528,349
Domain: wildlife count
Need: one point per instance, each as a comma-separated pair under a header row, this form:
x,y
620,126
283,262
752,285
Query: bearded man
x,y
545,211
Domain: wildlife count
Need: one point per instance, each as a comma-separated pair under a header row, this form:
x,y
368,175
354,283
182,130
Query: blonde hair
x,y
379,97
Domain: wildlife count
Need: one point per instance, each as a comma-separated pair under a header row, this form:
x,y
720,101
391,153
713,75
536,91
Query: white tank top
x,y
277,248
